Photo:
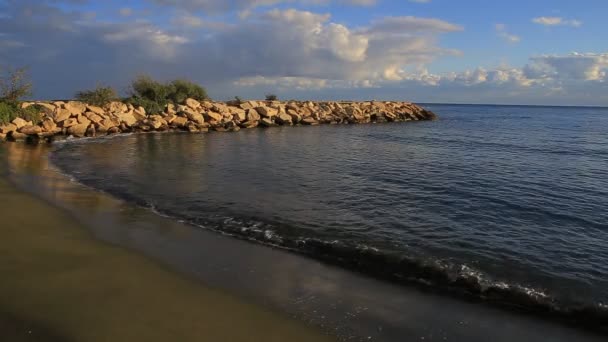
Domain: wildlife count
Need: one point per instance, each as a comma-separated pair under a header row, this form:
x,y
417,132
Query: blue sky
x,y
469,51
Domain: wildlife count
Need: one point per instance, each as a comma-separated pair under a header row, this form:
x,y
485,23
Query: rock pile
x,y
79,119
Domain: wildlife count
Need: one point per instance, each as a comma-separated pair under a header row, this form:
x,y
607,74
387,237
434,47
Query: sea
x,y
500,204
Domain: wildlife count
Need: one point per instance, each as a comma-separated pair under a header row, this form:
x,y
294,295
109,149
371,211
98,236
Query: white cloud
x,y
501,30
557,21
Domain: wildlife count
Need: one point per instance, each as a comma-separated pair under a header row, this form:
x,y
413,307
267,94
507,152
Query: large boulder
x,y
179,121
96,118
30,130
2,136
62,114
75,107
78,130
194,116
115,107
8,128
157,121
51,107
266,122
19,122
211,116
238,114
83,120
295,117
96,110
284,119
69,122
266,112
49,125
250,124
252,115
139,112
127,118
310,121
192,103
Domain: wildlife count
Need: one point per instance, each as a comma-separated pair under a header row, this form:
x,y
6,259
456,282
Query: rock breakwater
x,y
77,119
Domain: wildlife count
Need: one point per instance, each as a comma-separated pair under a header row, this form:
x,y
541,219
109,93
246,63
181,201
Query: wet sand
x,y
60,284
352,306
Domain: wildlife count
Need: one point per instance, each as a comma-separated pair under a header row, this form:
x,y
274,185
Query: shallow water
x,y
502,203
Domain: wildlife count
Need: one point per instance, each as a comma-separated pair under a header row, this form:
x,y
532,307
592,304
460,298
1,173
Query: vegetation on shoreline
x,y
99,96
153,96
14,85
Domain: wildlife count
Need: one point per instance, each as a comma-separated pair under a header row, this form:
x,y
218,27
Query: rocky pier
x,y
62,119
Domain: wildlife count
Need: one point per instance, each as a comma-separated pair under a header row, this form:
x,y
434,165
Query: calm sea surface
x,y
499,202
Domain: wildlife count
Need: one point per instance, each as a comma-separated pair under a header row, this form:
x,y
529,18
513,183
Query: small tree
x,y
99,96
184,89
14,85
271,97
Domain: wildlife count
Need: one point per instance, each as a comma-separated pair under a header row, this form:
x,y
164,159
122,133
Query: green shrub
x,y
183,89
9,111
271,97
154,96
98,97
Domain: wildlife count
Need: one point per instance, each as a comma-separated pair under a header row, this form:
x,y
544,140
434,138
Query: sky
x,y
544,52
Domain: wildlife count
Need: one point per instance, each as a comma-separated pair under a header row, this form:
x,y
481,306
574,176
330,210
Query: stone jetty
x,y
71,118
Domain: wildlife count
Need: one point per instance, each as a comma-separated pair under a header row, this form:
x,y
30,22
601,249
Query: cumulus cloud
x,y
557,21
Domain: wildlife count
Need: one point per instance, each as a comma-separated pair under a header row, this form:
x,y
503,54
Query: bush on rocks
x,y
99,96
154,96
9,111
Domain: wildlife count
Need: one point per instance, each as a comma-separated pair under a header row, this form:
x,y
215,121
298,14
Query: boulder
x,y
69,123
245,106
266,122
284,119
24,105
83,120
16,136
192,103
139,112
220,108
49,106
179,121
250,124
211,116
93,117
157,121
8,128
62,114
96,110
19,122
2,136
295,117
266,112
30,130
238,114
115,107
310,121
75,107
195,117
78,130
49,125
252,115
127,118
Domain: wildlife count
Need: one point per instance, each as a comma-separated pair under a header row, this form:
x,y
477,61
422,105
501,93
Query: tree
x,y
98,97
14,85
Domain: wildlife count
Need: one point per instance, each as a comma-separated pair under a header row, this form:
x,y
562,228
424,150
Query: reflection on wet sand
x,y
352,306
59,284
